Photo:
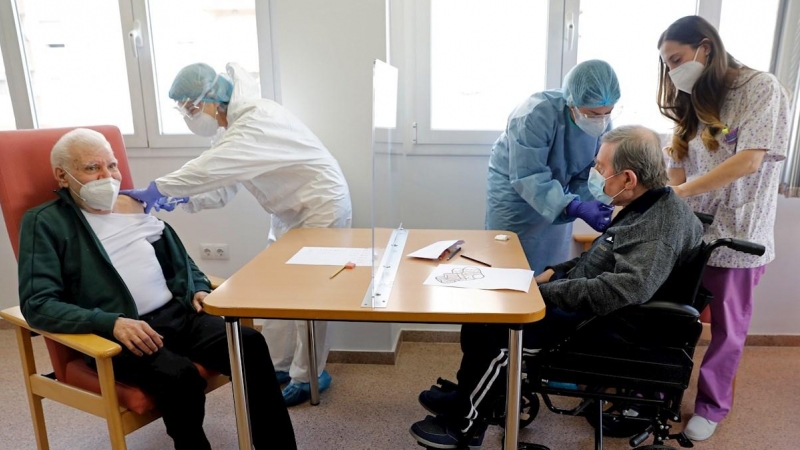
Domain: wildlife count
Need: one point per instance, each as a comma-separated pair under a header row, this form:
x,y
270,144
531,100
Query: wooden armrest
x,y
88,344
215,281
585,238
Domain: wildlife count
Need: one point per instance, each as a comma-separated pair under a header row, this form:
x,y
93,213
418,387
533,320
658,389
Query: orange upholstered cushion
x,y
80,375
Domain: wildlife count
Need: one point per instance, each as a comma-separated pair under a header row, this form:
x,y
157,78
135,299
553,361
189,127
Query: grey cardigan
x,y
631,260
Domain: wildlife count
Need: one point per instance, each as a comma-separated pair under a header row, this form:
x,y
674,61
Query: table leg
x,y
513,387
313,378
233,331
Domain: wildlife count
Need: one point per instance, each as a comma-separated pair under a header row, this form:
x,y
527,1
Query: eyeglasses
x,y
188,108
610,116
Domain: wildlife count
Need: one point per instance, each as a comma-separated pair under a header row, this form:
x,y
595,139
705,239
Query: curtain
x,y
790,181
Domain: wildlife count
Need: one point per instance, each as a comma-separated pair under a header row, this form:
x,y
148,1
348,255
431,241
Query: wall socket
x,y
214,251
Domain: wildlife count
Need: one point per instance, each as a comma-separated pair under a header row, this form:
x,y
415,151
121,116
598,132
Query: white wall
x,y
777,301
326,50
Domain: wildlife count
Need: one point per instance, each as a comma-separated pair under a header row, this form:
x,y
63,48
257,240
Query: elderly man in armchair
x,y
91,261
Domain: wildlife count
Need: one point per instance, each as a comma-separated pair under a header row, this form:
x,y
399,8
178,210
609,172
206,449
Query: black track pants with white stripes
x,y
482,374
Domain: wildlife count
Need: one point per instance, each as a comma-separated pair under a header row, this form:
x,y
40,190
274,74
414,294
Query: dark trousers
x,y
482,374
170,376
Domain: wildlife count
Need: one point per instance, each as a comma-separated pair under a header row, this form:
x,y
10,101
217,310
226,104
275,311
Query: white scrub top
x,y
273,155
758,110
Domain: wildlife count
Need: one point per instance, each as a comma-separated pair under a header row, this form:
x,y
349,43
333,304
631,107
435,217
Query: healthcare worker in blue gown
x,y
539,167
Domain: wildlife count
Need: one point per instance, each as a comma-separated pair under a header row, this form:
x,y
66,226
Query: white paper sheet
x,y
474,277
332,256
435,250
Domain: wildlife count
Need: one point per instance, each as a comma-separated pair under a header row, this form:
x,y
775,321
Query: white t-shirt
x,y
758,110
127,239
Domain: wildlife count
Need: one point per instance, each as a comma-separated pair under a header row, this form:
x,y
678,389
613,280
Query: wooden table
x,y
267,287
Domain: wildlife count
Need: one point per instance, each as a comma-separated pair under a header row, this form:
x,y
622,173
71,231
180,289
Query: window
x,y
476,76
112,62
71,83
209,31
477,59
6,112
748,30
631,50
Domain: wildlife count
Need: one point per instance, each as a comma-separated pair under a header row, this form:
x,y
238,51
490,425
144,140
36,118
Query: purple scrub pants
x,y
731,310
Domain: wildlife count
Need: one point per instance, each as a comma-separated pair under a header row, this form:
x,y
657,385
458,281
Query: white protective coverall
x,y
272,154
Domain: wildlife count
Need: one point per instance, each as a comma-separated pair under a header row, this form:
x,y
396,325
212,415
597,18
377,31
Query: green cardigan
x,y
67,283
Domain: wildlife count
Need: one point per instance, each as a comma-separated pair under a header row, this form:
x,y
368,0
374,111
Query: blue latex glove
x,y
169,203
150,196
596,214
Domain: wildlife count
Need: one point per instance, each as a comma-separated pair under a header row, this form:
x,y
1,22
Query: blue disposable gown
x,y
538,166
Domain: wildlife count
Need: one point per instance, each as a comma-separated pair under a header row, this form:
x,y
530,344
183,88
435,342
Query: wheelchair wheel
x,y
615,423
528,409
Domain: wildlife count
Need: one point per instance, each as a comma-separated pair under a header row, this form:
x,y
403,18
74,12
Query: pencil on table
x,y
349,265
476,260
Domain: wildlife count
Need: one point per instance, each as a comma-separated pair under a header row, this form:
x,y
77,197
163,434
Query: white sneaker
x,y
699,428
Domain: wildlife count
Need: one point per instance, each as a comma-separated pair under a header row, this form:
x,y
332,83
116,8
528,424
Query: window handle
x,y
135,38
570,31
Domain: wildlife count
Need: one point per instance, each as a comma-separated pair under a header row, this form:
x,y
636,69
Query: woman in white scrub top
x,y
731,137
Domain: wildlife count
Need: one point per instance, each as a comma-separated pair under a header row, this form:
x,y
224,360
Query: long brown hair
x,y
705,102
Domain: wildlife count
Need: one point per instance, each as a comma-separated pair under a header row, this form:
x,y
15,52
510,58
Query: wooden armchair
x,y
26,181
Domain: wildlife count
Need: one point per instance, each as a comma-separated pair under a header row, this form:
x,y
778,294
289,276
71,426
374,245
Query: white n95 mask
x,y
99,194
202,124
686,75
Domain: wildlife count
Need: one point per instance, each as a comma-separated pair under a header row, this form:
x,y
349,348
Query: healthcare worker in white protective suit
x,y
272,154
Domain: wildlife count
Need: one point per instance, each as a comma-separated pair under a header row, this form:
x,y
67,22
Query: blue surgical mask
x,y
597,186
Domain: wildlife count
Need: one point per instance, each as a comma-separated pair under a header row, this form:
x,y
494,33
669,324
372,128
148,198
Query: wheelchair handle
x,y
706,219
751,248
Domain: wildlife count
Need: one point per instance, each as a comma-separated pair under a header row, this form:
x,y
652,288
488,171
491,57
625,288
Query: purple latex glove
x,y
150,196
596,214
169,203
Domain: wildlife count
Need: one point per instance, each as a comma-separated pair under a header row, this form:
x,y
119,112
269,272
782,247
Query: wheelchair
x,y
629,368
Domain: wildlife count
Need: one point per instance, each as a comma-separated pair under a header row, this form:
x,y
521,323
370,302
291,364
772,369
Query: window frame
x,y
16,66
562,55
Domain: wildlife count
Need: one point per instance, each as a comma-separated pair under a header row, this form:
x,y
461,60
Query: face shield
x,y
189,108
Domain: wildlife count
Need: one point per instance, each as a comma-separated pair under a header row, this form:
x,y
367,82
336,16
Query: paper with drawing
x,y
472,277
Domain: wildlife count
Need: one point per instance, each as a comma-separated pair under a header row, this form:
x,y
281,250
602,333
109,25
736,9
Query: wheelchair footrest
x,y
681,439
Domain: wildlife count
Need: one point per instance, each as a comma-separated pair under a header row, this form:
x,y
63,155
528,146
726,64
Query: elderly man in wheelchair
x,y
621,325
